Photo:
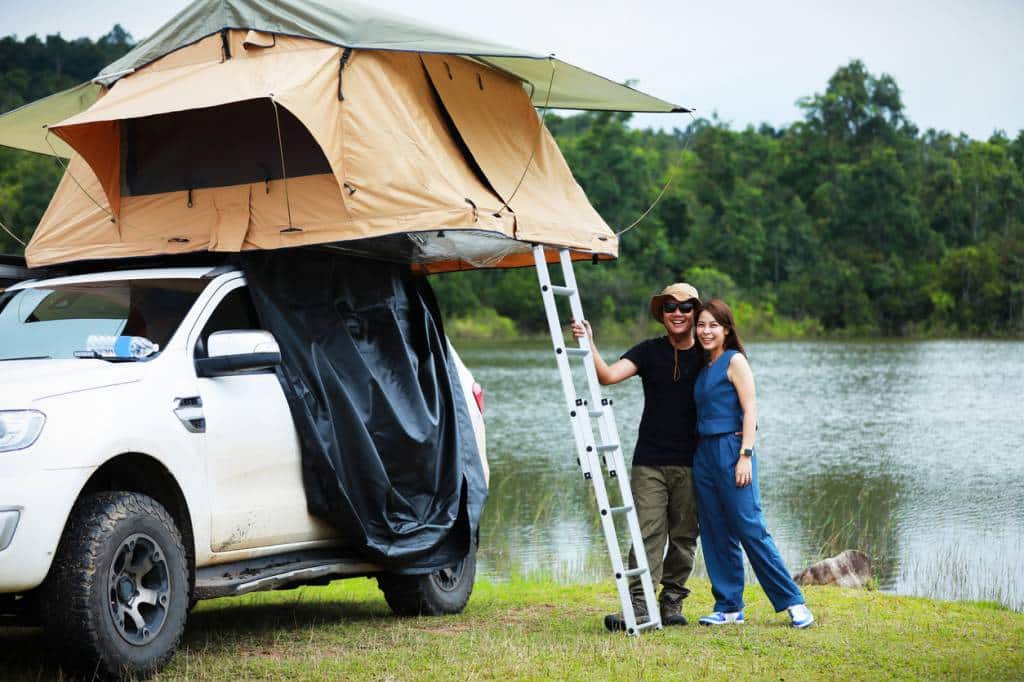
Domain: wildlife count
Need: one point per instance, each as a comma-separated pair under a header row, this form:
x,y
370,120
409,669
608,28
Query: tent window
x,y
233,144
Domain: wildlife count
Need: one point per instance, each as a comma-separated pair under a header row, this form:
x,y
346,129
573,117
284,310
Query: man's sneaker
x,y
672,610
800,616
719,618
615,622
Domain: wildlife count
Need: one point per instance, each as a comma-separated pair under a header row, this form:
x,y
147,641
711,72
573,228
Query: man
x,y
662,475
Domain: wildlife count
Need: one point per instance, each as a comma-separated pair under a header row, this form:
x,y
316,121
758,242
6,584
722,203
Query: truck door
x,y
253,459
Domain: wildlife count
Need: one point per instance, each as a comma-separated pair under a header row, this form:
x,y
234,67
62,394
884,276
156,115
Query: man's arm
x,y
620,370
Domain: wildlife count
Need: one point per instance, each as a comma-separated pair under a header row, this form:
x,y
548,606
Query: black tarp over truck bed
x,y
389,453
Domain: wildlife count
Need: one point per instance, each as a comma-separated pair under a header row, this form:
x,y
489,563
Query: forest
x,y
849,222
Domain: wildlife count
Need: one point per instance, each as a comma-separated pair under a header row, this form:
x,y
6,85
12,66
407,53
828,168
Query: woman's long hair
x,y
722,313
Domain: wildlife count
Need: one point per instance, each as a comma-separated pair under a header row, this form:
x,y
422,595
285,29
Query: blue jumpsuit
x,y
731,517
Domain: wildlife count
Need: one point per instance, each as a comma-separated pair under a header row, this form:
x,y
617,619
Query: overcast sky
x,y
959,63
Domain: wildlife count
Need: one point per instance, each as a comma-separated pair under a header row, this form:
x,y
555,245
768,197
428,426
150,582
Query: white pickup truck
x,y
136,480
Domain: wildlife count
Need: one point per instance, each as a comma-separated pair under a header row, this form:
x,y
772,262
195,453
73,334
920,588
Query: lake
x,y
910,451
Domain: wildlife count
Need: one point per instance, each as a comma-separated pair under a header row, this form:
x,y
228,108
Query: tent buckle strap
x,y
178,240
292,228
449,70
225,46
476,213
349,188
189,202
345,56
480,81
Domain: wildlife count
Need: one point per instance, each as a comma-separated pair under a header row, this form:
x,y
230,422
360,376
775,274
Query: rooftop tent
x,y
285,145
235,127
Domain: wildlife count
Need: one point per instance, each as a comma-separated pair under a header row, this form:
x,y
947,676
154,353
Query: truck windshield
x,y
57,321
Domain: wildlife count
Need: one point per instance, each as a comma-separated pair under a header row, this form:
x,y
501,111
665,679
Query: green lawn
x,y
536,630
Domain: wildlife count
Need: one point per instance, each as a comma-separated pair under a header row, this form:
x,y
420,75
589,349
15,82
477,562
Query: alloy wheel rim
x,y
139,589
448,579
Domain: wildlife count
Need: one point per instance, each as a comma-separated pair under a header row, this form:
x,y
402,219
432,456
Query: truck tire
x,y
432,594
116,599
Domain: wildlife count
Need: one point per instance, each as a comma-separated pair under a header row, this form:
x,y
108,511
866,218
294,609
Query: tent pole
x,y
284,173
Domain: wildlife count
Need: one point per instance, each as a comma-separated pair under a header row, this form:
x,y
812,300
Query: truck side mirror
x,y
237,352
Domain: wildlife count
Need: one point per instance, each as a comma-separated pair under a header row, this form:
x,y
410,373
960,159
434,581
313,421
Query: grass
x,y
544,630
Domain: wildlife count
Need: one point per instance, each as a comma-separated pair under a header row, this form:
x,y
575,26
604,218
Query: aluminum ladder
x,y
605,449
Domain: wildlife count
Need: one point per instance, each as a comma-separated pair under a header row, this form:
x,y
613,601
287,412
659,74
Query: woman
x,y
725,476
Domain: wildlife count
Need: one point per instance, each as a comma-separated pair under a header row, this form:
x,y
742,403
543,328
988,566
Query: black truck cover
x,y
389,455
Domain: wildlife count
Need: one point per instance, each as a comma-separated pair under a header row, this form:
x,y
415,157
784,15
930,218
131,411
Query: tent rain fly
x,y
233,129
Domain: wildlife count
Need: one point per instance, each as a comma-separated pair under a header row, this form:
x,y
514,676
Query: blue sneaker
x,y
719,618
800,616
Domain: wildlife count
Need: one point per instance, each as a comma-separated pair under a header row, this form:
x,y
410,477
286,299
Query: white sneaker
x,y
720,618
800,616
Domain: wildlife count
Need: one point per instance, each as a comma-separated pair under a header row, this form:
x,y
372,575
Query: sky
x,y
959,63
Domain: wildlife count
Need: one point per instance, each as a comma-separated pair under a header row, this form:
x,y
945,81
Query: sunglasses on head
x,y
672,306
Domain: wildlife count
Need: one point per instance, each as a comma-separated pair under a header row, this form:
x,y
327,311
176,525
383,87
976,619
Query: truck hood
x,y
24,381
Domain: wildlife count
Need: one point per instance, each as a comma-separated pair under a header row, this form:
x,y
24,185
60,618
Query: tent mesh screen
x,y
233,144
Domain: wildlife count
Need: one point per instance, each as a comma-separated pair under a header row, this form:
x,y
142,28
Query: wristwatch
x,y
747,452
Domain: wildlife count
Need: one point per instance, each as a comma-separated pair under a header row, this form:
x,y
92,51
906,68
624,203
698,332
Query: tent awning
x,y
25,127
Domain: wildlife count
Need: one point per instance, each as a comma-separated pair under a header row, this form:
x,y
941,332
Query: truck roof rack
x,y
13,269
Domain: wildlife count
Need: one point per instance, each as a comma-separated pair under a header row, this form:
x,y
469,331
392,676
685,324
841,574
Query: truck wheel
x,y
116,597
433,594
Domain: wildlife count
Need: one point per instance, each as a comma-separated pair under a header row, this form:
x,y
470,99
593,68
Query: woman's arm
x,y
742,379
620,370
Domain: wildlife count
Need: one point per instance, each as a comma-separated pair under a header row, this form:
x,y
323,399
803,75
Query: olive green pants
x,y
666,506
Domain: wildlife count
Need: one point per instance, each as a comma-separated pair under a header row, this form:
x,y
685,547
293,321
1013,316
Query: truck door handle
x,y
190,412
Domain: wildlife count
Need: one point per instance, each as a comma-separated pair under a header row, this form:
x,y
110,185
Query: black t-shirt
x,y
668,428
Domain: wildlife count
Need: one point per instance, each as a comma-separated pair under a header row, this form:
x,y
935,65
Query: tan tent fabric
x,y
95,133
495,118
397,165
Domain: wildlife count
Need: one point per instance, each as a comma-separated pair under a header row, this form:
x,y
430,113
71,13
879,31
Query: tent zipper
x,y
345,56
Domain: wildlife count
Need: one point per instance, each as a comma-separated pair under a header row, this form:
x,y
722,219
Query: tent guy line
x,y
12,235
668,183
280,146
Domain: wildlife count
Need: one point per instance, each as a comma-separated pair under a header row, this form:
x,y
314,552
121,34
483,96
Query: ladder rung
x,y
647,625
621,510
608,447
562,291
577,352
633,572
596,413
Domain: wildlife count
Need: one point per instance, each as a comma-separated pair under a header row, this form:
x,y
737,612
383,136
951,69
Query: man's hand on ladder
x,y
582,329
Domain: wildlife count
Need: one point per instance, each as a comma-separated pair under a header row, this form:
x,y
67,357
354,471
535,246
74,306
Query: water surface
x,y
910,451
